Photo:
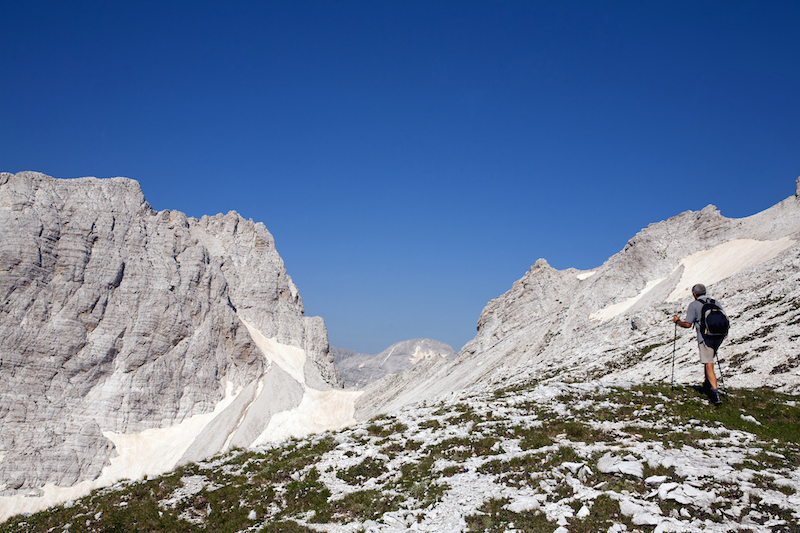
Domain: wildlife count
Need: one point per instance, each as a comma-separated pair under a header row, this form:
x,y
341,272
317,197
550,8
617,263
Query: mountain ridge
x,y
123,326
63,274
543,325
358,370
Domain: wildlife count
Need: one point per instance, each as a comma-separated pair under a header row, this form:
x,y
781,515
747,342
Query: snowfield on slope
x,y
159,450
710,266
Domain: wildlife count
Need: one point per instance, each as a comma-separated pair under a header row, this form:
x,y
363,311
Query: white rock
x,y
640,515
664,488
686,494
370,526
671,525
610,464
750,418
647,519
523,503
573,467
655,481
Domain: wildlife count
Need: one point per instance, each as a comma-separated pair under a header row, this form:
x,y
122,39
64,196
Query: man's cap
x,y
699,289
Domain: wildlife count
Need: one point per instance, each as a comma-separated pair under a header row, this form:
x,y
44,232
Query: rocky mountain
x,y
358,370
220,285
340,354
133,340
614,322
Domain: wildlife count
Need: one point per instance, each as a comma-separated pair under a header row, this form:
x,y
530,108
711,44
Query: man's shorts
x,y
706,354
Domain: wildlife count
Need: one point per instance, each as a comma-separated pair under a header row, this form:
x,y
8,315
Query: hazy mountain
x,y
358,369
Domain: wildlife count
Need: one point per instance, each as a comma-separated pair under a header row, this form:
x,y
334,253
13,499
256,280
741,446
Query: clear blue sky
x,y
413,158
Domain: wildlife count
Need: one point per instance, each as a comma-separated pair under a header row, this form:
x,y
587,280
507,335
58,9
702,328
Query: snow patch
x,y
318,411
290,358
707,267
723,261
387,357
419,355
150,452
586,275
620,307
157,450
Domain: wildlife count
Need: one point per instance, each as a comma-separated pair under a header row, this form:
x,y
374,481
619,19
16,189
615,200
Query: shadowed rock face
x,y
358,369
115,317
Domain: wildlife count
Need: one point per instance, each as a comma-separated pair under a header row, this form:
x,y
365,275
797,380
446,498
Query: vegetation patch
x,y
792,363
430,424
366,469
649,348
493,517
305,494
531,438
604,513
462,448
385,430
357,506
278,464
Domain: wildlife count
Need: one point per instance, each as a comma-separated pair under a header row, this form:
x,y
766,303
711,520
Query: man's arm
x,y
681,323
692,315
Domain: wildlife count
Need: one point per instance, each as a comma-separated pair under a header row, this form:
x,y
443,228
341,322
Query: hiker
x,y
708,347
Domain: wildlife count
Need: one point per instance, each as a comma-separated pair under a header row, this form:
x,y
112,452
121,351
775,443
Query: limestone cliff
x,y
116,319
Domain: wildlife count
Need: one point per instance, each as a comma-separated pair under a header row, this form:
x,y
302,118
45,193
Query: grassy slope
x,y
524,459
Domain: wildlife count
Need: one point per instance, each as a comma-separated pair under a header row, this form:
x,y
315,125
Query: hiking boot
x,y
714,397
705,388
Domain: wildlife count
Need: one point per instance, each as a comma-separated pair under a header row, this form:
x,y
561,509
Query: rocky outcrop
x,y
358,370
614,322
116,319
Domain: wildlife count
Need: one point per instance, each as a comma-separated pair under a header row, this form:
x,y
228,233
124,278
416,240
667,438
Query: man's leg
x,y
707,358
710,376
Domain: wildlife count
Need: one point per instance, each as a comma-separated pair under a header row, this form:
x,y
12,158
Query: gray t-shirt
x,y
693,314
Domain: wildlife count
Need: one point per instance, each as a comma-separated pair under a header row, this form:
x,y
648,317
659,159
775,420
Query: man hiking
x,y
707,343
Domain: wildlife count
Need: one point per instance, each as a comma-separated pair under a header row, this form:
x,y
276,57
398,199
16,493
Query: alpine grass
x,y
537,457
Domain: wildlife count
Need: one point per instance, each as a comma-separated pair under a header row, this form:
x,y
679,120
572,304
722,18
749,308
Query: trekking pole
x,y
674,340
721,377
